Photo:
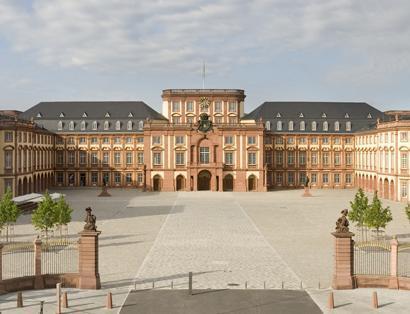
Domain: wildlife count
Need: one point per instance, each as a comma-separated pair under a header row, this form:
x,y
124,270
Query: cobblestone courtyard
x,y
224,238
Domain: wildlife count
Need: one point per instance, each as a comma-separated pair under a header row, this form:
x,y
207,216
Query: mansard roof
x,y
361,115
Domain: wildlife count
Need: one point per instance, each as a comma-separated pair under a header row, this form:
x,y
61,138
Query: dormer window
x,y
278,115
85,115
60,125
62,115
83,125
301,115
314,125
290,126
337,126
267,125
71,126
118,125
324,115
347,115
95,125
129,125
279,126
369,116
348,126
140,125
106,125
130,115
39,115
107,115
325,126
302,125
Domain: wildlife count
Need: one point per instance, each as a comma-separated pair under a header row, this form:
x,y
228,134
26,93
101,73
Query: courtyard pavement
x,y
225,239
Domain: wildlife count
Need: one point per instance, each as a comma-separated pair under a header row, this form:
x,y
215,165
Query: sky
x,y
312,50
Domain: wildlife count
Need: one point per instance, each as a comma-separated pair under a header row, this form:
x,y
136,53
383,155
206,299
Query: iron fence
x,y
59,256
372,257
17,260
403,260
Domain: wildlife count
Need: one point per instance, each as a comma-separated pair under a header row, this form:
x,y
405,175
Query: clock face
x,y
204,103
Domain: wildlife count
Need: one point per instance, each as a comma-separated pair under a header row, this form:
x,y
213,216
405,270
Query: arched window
x,y
106,125
71,126
95,125
279,125
348,126
140,125
60,125
267,125
302,125
129,125
325,126
290,126
118,125
83,125
314,125
337,126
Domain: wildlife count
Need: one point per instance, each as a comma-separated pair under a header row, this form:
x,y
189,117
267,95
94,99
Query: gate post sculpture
x,y
343,271
88,254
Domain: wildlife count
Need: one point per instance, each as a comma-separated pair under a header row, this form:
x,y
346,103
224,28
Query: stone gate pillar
x,y
343,269
88,260
38,281
393,281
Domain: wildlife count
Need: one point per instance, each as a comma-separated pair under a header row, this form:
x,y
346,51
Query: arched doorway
x,y
20,188
386,188
180,183
156,184
251,183
228,183
392,191
204,180
25,186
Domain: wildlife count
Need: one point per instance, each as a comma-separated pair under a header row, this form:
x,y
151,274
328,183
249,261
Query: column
x,y
343,271
88,260
38,281
393,281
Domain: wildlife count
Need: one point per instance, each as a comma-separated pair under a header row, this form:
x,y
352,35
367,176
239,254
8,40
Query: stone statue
x,y
90,220
342,224
307,182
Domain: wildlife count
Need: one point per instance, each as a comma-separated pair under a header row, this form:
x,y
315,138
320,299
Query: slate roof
x,y
360,115
48,114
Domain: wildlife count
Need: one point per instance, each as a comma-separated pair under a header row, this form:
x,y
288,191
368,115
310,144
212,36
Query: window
x,y
128,140
106,140
302,140
106,158
403,136
94,140
267,125
94,125
179,140
348,158
128,178
325,158
94,158
94,177
268,157
83,125
218,106
140,125
279,157
279,178
83,157
302,178
313,178
325,126
290,141
403,161
176,120
313,157
71,158
117,158
232,120
191,119
291,178
348,126
336,178
302,125
337,126
117,140
314,125
348,178
325,178
232,106
228,140
302,158
60,125
251,140
337,158
106,125
204,155
82,140
348,140
128,158
70,141
129,125
60,177
8,137
140,158
251,159
228,158
325,141
118,125
190,106
140,140
291,157
117,178
8,159
140,178
279,140
313,140
324,115
336,140
175,106
403,189
60,157
290,126
106,177
157,159
156,140
71,126
279,126
179,158
218,120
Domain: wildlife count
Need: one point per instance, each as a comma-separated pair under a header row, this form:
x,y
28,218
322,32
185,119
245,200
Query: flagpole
x,y
203,74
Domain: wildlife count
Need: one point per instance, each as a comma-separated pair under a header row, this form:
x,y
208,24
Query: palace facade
x,y
204,140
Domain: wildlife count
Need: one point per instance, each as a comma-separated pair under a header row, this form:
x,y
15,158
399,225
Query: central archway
x,y
180,183
228,183
204,180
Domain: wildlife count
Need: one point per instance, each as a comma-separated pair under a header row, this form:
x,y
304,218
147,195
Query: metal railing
x,y
403,259
17,260
59,257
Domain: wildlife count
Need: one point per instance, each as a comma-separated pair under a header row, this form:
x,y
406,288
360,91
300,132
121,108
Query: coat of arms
x,y
205,124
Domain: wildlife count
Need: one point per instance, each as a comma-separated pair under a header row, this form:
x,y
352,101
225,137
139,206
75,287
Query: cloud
x,y
371,36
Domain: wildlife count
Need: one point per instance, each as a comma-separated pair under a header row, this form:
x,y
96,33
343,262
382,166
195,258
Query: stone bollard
x,y
375,301
58,298
64,301
19,299
109,300
331,301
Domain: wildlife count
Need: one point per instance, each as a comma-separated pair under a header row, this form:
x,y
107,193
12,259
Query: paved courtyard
x,y
225,239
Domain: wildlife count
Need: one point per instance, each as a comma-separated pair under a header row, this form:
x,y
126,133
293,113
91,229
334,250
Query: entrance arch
x,y
251,183
204,180
180,184
228,183
156,186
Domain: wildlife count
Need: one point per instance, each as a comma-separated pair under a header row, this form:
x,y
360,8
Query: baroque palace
x,y
204,140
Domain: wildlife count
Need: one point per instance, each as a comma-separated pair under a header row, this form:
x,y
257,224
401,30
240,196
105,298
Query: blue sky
x,y
324,50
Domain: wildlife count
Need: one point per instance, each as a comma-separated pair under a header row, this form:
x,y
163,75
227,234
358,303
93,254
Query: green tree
x,y
9,212
407,209
376,216
359,206
62,213
44,217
